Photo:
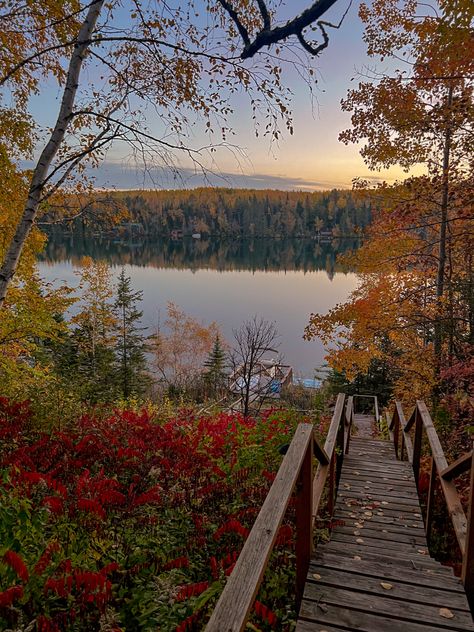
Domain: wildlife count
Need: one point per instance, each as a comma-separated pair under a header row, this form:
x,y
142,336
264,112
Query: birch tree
x,y
115,64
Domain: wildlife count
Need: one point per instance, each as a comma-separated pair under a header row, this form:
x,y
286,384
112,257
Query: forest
x,y
130,482
228,213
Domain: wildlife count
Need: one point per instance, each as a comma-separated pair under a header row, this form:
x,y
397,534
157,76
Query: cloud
x,y
114,175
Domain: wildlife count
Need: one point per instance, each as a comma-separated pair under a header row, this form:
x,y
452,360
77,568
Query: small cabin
x,y
267,379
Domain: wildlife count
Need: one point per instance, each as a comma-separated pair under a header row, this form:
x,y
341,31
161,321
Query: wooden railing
x,y
295,473
408,438
375,404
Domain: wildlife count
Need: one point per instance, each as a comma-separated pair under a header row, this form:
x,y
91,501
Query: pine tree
x,y
215,366
92,340
131,345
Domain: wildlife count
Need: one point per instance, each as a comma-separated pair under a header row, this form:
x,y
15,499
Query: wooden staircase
x,y
375,574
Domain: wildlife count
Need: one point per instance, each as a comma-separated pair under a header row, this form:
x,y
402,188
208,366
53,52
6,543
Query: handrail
x,y
296,471
420,422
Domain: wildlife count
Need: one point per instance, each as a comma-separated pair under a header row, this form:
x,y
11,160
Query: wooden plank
x,y
386,520
393,536
380,470
319,452
329,445
412,562
410,592
385,606
468,560
378,480
451,495
378,489
417,447
373,568
389,478
409,424
389,607
408,446
430,501
401,424
390,466
390,429
350,478
362,541
389,525
308,626
367,441
367,498
304,521
318,487
350,619
348,423
236,600
461,465
331,437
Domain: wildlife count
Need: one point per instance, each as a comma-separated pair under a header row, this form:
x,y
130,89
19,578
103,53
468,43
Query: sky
x,y
310,159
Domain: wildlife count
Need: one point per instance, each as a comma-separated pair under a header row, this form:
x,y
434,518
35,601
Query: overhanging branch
x,y
268,36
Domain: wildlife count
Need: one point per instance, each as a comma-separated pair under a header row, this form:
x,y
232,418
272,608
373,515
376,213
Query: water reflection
x,y
303,255
222,280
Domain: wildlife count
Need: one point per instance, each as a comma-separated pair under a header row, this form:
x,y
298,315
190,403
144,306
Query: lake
x,y
228,281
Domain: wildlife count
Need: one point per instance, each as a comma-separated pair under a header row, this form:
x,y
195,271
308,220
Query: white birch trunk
x,y
12,257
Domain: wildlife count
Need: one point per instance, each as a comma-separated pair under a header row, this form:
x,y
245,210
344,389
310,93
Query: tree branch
x,y
235,17
265,15
269,36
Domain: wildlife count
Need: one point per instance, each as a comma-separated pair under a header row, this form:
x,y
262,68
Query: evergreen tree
x,y
130,342
215,366
91,346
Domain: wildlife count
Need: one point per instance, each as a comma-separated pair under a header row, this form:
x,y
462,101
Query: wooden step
x,y
375,574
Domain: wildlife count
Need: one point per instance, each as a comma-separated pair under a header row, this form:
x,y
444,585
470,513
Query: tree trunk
x,y
12,257
438,329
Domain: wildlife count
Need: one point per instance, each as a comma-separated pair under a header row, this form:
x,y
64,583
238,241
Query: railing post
x,y
430,502
348,423
376,409
304,521
417,445
396,434
332,484
468,559
340,449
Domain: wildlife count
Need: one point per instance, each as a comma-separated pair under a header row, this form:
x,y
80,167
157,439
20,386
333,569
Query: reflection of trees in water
x,y
214,254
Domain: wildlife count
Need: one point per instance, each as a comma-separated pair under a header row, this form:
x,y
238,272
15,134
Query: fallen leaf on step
x,y
446,613
357,557
386,585
316,576
360,541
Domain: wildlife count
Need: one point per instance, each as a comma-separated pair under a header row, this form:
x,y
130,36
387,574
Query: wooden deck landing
x,y
376,574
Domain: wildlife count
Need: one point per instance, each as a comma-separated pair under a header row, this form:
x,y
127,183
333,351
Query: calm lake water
x,y
225,281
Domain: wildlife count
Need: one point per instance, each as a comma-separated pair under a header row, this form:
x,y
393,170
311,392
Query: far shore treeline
x,y
223,212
